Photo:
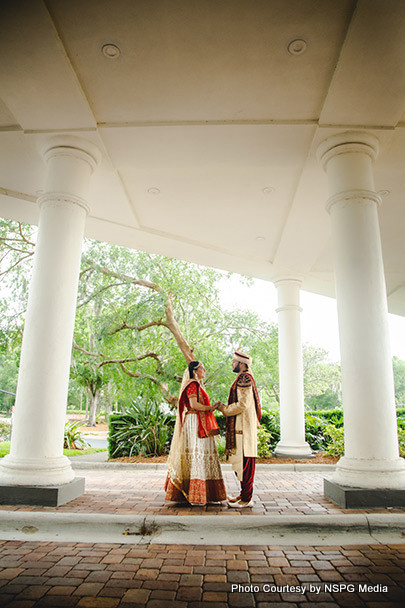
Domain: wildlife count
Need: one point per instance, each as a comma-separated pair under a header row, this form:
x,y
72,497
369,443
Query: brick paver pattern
x,y
34,574
141,492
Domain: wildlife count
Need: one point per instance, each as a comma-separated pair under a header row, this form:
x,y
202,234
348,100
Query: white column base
x,y
370,473
35,471
293,450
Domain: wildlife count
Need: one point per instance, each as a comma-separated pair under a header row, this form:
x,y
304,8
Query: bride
x,y
194,470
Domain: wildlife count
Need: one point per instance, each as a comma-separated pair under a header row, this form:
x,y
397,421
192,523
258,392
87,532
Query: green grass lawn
x,y
5,449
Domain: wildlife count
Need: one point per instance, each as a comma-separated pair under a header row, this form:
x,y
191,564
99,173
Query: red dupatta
x,y
207,424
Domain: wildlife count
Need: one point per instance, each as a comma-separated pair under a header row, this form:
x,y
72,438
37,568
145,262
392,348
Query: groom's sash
x,y
244,378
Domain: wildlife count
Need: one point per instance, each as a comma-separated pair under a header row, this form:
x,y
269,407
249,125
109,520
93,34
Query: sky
x,y
319,324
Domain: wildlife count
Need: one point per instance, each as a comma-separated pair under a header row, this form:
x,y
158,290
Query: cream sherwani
x,y
246,422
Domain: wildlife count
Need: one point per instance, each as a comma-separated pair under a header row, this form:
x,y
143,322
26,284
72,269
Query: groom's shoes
x,y
233,498
240,504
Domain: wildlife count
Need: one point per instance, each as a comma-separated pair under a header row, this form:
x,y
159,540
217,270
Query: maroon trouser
x,y
249,464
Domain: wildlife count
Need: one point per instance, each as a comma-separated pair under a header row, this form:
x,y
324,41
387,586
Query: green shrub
x,y
221,420
73,439
271,422
5,430
143,430
263,443
336,443
333,416
220,441
315,431
4,448
401,422
401,439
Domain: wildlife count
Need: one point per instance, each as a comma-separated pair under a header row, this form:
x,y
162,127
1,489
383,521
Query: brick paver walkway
x,y
141,492
34,574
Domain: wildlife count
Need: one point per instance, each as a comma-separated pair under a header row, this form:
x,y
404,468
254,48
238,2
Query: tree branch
x,y
171,399
17,263
173,326
120,361
86,352
137,327
24,238
97,293
171,322
131,359
126,278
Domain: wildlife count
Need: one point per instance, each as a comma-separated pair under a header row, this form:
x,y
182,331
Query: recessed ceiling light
x,y
297,47
153,190
260,238
268,190
383,192
111,51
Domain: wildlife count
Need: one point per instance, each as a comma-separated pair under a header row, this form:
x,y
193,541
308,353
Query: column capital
x,y
345,143
71,146
287,280
70,163
69,151
289,307
288,294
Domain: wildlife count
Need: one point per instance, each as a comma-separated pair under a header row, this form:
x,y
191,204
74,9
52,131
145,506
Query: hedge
x,y
316,422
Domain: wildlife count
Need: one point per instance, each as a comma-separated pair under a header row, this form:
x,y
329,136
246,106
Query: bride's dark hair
x,y
192,366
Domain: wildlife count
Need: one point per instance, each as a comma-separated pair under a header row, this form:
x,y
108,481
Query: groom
x,y
243,413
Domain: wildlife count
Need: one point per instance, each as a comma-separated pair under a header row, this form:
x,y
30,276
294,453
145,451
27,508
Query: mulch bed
x,y
319,458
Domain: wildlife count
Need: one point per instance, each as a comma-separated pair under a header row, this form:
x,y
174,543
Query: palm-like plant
x,y
73,439
141,431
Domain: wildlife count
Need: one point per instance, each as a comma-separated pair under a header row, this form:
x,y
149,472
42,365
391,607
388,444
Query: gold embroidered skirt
x,y
194,469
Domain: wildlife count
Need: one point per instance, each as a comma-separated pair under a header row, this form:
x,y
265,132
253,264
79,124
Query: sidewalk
x,y
121,545
157,576
121,498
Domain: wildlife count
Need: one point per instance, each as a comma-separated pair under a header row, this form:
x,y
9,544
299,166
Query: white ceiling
x,y
206,104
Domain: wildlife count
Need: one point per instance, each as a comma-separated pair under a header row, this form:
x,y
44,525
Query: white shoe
x,y
240,504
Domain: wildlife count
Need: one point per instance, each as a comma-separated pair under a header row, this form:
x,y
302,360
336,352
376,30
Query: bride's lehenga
x,y
194,473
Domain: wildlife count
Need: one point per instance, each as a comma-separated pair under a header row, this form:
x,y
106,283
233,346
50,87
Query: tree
x,y
399,380
328,400
140,318
17,243
322,379
156,315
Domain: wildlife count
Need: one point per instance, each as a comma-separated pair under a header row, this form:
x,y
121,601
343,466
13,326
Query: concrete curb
x,y
158,466
232,529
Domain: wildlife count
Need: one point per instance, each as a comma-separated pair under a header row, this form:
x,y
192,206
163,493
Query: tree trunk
x,y
87,403
173,326
108,401
93,406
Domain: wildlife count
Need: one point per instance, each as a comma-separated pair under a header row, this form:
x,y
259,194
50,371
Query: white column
x,y
371,443
36,454
292,421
